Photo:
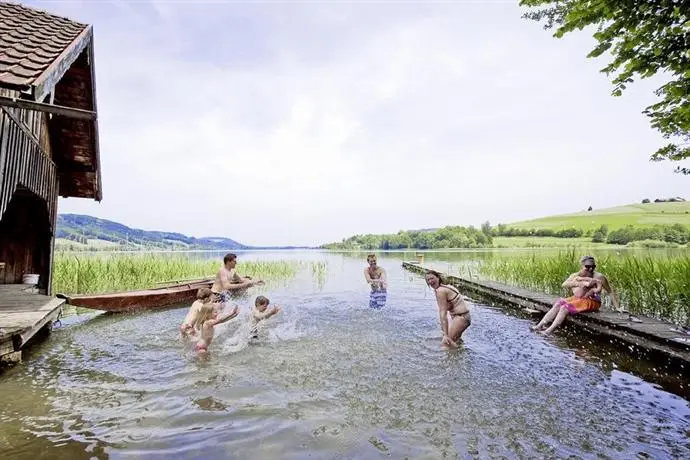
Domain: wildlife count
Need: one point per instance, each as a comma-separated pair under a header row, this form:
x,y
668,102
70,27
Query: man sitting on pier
x,y
586,285
228,280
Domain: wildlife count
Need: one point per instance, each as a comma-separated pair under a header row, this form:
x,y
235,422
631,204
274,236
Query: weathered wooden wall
x,y
73,138
28,197
37,122
24,163
26,239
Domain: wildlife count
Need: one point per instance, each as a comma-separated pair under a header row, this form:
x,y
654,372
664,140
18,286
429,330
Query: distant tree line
x,y
676,199
446,237
471,237
675,233
72,237
504,230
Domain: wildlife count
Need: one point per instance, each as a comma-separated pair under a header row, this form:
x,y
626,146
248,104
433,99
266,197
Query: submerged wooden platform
x,y
636,331
23,313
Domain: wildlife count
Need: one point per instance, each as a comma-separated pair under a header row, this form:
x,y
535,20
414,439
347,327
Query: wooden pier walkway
x,y
23,313
648,335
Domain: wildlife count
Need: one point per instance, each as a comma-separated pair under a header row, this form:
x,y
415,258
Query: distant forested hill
x,y
77,230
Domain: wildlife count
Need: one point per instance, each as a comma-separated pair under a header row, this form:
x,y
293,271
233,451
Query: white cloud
x,y
300,124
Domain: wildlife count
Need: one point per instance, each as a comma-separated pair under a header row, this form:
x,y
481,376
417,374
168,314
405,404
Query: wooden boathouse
x,y
48,148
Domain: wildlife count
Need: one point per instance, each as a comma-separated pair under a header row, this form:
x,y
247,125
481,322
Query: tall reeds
x,y
97,273
645,283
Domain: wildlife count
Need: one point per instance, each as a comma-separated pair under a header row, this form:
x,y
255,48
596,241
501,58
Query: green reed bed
x,y
646,284
88,273
319,272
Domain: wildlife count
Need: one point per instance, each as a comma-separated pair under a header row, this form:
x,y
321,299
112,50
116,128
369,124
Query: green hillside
x,y
86,232
650,225
638,215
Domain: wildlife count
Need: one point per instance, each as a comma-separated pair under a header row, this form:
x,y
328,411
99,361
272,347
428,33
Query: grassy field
x,y
633,214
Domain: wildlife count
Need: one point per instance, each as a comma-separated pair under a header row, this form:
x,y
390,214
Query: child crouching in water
x,y
261,312
203,297
203,317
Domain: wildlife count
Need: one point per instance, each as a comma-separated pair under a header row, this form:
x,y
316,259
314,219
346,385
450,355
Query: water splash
x,y
287,330
233,342
235,336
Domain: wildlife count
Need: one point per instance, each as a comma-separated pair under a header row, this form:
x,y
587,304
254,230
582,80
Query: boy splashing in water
x,y
261,312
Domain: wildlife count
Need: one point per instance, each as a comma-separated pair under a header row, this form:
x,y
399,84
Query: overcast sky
x,y
307,122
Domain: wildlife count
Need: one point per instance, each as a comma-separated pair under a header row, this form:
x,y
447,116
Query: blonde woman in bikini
x,y
452,309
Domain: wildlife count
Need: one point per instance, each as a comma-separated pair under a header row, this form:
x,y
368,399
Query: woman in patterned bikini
x,y
450,302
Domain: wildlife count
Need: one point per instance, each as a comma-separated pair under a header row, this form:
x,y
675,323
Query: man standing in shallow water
x,y
228,280
376,277
586,285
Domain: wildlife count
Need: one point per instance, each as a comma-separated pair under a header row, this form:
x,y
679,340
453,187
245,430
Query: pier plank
x,y
24,312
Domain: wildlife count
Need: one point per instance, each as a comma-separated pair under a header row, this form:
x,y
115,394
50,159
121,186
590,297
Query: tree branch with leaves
x,y
644,38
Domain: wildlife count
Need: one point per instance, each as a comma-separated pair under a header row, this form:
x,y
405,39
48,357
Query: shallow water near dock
x,y
331,378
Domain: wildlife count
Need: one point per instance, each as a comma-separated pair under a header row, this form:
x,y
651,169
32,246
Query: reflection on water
x,y
329,377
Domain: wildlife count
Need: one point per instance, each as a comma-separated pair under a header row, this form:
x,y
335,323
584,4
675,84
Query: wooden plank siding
x,y
26,240
28,199
24,164
74,138
36,122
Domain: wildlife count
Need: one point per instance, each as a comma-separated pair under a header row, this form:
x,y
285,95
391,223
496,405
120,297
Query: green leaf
x,y
644,38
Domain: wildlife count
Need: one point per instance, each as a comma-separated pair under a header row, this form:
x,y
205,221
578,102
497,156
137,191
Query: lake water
x,y
331,378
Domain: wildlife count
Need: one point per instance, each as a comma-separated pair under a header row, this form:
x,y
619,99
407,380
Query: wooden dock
x,y
648,335
23,313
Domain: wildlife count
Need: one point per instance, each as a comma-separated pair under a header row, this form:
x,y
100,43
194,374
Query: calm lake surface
x,y
331,378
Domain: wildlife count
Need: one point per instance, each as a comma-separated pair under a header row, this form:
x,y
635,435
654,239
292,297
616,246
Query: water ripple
x,y
330,378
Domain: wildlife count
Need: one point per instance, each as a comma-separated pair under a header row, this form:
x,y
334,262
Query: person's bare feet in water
x,y
537,327
449,344
547,331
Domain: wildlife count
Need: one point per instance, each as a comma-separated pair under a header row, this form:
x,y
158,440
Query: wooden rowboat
x,y
163,296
